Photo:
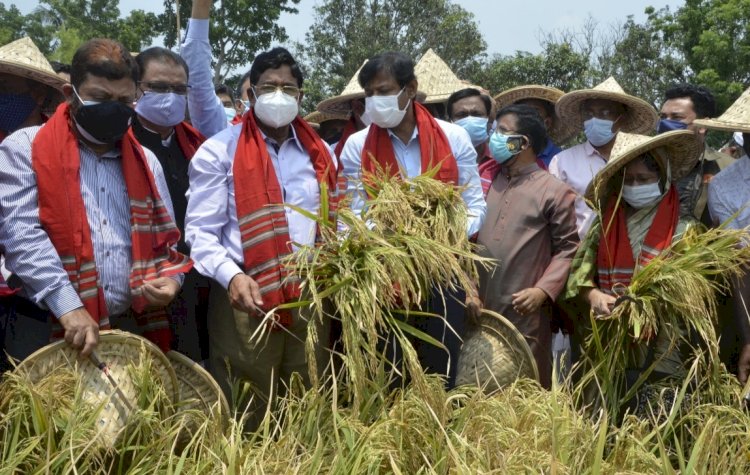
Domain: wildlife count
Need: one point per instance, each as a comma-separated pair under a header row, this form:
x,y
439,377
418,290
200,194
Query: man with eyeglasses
x,y
601,112
240,231
161,104
88,217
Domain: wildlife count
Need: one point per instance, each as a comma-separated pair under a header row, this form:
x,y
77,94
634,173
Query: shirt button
x,y
102,189
106,254
104,222
106,287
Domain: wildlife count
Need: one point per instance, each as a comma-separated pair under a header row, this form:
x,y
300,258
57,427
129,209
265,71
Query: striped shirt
x,y
30,253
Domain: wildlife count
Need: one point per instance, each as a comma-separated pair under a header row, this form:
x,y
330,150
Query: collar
x,y
414,134
152,135
527,170
271,141
591,151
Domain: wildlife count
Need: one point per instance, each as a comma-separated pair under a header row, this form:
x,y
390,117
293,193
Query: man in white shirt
x,y
406,139
601,112
239,230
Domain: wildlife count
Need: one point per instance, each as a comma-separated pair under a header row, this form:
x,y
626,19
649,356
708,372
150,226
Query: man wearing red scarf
x,y
239,231
88,219
405,139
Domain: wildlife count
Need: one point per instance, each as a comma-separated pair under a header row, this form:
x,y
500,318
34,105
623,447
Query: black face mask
x,y
106,121
332,139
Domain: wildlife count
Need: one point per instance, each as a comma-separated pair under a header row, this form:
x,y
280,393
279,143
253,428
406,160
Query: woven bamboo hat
x,y
561,130
736,117
339,105
640,118
436,79
680,147
196,388
318,117
120,351
494,354
22,58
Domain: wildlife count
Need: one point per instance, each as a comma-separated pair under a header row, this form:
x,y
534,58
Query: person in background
x,y
61,69
601,112
232,111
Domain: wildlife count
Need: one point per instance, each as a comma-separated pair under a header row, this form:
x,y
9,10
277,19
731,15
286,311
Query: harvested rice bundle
x,y
410,240
669,305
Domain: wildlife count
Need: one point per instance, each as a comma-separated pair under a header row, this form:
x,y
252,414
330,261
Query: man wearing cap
x,y
404,138
159,125
28,87
87,215
683,103
601,112
729,204
530,231
240,231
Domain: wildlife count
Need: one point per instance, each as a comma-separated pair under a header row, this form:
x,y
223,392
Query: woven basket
x,y
197,389
118,350
494,354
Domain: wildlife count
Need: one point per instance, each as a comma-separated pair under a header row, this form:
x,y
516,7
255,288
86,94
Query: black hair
x,y
59,67
274,59
245,77
104,58
224,89
528,123
399,65
463,94
704,103
157,53
549,107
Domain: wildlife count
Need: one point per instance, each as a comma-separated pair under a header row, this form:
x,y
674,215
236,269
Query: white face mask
x,y
383,111
276,109
641,196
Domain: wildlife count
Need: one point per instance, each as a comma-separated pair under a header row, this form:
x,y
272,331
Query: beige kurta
x,y
530,228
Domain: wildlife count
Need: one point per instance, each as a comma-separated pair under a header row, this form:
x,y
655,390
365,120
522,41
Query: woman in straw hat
x,y
639,217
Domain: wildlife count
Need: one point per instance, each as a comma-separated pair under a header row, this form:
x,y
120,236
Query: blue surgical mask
x,y
230,112
598,131
668,125
476,127
14,109
501,150
163,109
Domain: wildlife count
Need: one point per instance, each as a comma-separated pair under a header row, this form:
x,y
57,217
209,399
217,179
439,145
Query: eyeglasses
x,y
271,88
92,102
163,87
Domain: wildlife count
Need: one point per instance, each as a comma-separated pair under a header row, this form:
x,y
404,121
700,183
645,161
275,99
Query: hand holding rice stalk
x,y
675,295
410,239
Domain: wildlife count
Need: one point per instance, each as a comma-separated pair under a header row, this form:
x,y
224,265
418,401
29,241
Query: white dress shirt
x,y
410,160
211,227
729,193
577,166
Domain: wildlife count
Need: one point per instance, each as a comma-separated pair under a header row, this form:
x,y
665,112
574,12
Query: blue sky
x,y
506,26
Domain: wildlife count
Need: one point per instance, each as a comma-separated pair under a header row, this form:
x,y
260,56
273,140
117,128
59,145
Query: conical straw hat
x,y
736,118
436,79
680,147
339,105
318,117
640,118
561,130
22,58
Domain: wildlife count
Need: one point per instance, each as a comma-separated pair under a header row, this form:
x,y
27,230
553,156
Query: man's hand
x,y
201,9
160,292
244,294
743,364
601,303
528,301
81,331
473,306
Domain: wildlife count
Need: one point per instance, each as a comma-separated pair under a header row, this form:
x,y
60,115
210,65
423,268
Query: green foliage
x,y
239,30
347,32
59,27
